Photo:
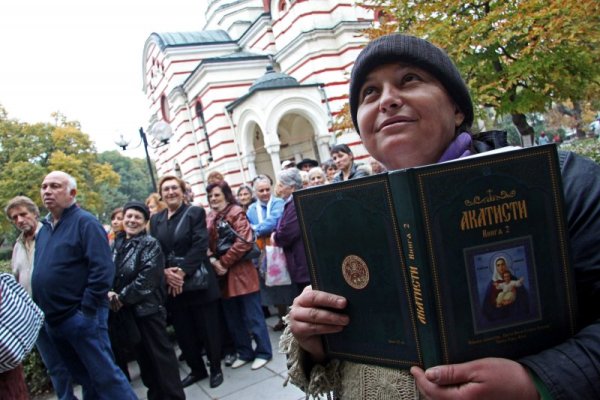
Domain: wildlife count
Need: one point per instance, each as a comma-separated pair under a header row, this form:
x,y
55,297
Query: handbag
x,y
123,328
20,322
277,273
197,281
226,237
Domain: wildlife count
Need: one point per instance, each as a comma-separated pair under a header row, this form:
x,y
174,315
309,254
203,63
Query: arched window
x,y
202,124
178,171
199,113
164,108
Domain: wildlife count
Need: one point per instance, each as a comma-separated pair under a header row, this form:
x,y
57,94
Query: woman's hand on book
x,y
314,314
486,378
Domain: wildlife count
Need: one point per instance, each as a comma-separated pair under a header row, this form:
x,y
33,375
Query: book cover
x,y
445,263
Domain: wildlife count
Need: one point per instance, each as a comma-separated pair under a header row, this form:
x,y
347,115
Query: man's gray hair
x,y
290,177
316,171
260,179
71,182
22,201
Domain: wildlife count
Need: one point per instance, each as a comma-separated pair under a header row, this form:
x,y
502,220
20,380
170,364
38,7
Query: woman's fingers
x,y
317,313
315,298
317,316
308,329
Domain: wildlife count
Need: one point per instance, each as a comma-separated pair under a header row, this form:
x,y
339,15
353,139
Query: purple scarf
x,y
460,147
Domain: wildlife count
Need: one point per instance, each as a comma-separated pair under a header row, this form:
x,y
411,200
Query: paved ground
x,y
242,383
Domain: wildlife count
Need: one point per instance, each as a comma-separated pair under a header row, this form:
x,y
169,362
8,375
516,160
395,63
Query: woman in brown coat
x,y
239,278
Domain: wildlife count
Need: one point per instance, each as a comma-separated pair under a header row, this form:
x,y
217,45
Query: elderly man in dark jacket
x,y
70,281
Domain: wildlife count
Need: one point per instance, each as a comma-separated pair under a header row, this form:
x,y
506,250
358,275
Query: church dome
x,y
272,79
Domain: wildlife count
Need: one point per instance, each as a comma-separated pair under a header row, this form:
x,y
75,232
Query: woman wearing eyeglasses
x,y
195,313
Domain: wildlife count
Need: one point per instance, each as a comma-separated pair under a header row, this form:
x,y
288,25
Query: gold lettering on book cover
x,y
485,214
490,197
416,284
355,272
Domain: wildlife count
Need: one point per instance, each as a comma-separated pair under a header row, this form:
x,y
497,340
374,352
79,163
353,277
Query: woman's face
x,y
501,266
405,116
244,197
342,160
317,179
172,194
152,206
216,199
283,191
116,223
330,172
133,222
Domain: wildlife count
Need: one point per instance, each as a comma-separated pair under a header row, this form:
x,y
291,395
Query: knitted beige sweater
x,y
344,379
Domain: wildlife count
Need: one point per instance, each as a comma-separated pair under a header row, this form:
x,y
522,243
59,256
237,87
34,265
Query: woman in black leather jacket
x,y
137,301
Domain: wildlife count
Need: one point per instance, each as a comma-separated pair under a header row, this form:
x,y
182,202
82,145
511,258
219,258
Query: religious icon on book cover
x,y
502,284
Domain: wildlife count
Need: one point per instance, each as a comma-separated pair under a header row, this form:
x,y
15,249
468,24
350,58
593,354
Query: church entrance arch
x,y
297,138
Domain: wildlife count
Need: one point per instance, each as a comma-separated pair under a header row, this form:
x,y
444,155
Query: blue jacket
x,y
269,223
73,266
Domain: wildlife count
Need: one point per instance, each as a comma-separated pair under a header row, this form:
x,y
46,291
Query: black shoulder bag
x,y
226,238
197,281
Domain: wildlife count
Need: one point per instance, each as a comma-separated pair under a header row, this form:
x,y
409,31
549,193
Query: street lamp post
x,y
145,143
160,131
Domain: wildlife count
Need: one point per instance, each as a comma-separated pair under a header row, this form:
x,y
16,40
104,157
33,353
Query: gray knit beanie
x,y
418,52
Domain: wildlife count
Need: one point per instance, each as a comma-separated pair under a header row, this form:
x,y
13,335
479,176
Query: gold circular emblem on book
x,y
355,271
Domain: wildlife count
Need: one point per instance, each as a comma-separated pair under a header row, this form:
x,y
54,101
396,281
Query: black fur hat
x,y
139,206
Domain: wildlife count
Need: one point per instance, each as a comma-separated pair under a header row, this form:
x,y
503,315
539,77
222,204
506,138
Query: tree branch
x,y
506,53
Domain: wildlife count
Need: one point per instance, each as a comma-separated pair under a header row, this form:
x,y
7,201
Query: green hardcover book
x,y
445,263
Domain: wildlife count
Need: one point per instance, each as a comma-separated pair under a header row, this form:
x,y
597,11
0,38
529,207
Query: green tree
x,y
135,181
517,56
29,151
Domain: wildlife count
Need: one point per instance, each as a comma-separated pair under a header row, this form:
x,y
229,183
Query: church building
x,y
261,83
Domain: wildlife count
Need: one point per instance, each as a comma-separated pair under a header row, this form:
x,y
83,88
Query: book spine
x,y
412,233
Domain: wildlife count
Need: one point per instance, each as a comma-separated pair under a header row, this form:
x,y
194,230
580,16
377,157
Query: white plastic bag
x,y
277,273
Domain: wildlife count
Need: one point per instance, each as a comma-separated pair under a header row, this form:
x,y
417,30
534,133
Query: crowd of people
x,y
136,276
167,262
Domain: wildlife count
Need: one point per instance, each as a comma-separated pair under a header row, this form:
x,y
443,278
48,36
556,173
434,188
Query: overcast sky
x,y
84,58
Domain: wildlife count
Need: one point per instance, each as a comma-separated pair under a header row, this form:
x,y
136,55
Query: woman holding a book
x,y
411,107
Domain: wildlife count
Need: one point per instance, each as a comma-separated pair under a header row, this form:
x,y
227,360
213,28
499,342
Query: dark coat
x,y
191,243
242,276
571,370
77,248
139,280
355,172
288,236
